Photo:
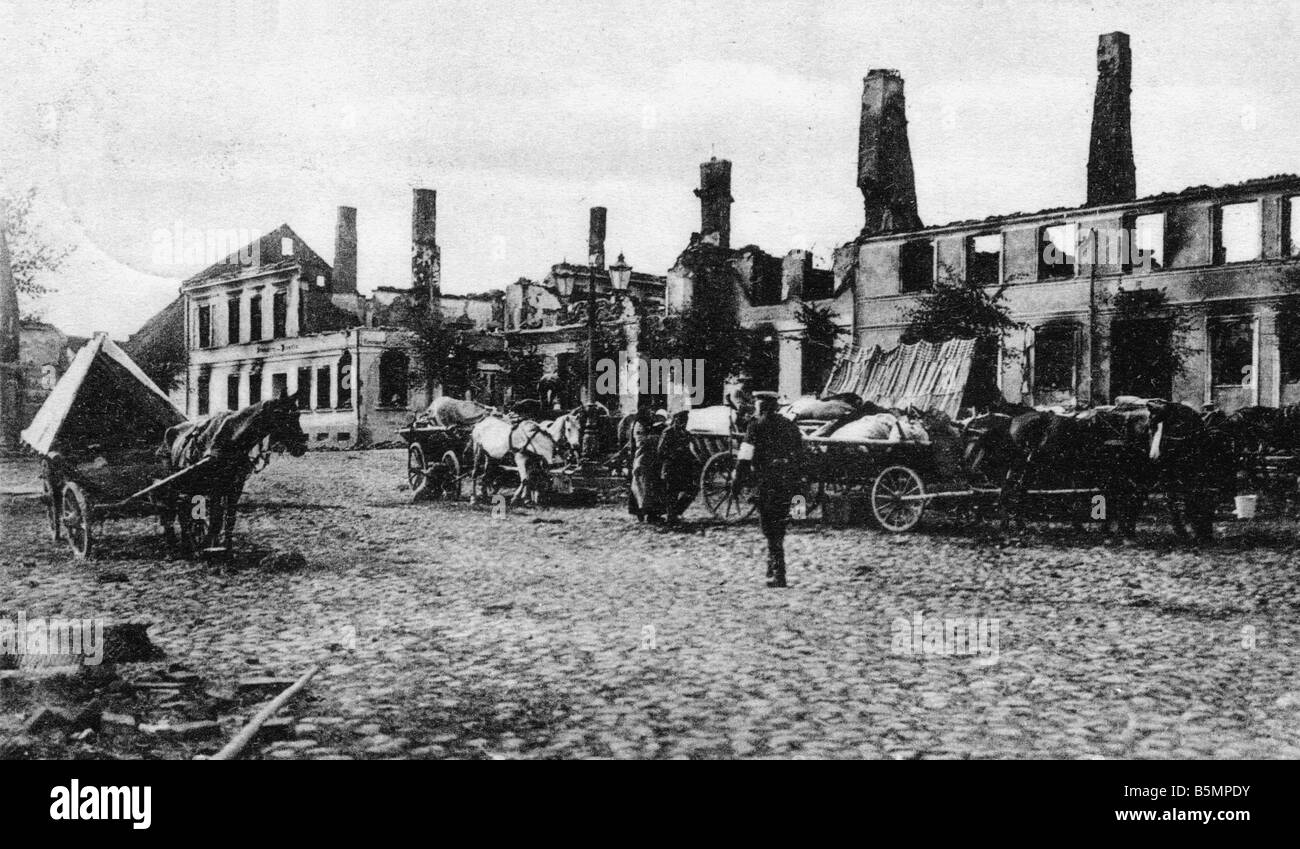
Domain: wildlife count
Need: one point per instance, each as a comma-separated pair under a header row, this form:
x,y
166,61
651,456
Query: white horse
x,y
566,432
529,446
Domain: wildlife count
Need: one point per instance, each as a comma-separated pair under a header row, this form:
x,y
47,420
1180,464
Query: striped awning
x,y
924,375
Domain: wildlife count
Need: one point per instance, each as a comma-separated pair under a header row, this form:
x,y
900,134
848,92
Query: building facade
x,y
1189,295
275,318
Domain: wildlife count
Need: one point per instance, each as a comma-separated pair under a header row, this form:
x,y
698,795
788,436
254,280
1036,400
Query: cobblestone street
x,y
564,632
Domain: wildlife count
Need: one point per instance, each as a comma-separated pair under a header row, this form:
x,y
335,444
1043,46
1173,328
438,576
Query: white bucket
x,y
1246,506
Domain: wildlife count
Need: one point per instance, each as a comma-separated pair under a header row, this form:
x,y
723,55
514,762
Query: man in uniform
x,y
772,454
680,469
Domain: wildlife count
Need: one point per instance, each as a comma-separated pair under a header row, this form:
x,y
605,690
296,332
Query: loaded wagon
x,y
99,434
438,459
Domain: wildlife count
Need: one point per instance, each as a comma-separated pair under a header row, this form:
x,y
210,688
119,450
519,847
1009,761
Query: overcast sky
x,y
133,117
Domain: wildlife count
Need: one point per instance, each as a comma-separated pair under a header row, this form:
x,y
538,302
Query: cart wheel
x,y
76,519
50,497
897,499
715,489
451,468
417,473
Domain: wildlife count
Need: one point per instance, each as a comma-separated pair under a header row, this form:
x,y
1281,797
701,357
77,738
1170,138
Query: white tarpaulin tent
x,y
102,391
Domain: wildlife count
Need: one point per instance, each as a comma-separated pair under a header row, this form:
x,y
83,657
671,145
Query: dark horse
x,y
1256,432
1194,464
1095,450
1123,453
234,441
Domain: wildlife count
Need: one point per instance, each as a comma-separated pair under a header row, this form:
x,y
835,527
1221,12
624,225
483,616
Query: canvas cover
x,y
103,398
924,375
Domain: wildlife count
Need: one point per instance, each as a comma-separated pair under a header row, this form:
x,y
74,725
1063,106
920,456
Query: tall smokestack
x,y
715,201
1112,177
884,156
596,238
426,259
345,252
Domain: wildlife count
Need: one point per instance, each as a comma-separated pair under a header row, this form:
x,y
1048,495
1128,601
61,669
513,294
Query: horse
x,y
1098,449
1256,432
229,439
1194,464
530,447
566,431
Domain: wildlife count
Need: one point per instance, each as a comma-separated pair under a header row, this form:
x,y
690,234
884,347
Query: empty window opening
x,y
205,327
394,368
984,260
279,314
1057,251
1239,232
232,391
1232,352
916,266
1054,359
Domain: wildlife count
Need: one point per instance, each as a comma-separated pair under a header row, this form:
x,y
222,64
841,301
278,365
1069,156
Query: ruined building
x,y
275,317
766,291
548,319
1187,295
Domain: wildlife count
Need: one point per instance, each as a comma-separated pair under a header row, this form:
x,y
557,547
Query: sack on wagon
x,y
882,426
815,409
450,412
712,421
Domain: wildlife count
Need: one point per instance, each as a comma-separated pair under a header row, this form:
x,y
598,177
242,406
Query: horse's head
x,y
1173,427
282,424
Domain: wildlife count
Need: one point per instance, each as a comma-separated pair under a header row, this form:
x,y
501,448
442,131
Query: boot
x,y
776,573
771,567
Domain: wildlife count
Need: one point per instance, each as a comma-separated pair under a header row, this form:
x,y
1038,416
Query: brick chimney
x,y
1112,177
426,259
345,253
884,156
715,201
596,238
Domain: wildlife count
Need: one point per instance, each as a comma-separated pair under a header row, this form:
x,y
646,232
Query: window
x,y
232,321
304,388
1057,251
323,388
393,375
279,385
205,327
1239,232
1232,352
916,266
1292,211
1054,358
345,381
1147,247
255,318
204,391
286,246
254,386
279,314
984,260
232,391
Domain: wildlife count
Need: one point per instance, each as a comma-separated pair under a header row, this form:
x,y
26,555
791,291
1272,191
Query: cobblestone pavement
x,y
446,632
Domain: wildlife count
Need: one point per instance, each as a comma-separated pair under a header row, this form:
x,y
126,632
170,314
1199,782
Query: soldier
x,y
772,454
680,470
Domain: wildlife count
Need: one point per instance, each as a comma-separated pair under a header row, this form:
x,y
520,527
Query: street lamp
x,y
620,274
